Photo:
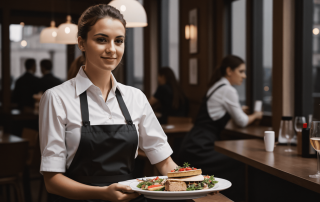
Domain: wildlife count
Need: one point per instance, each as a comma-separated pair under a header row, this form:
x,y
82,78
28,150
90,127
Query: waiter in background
x,y
48,80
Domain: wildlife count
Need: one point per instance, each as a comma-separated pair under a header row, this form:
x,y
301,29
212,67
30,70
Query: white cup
x,y
269,139
258,106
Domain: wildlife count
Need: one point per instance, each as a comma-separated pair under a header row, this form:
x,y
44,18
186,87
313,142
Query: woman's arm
x,y
166,166
254,116
57,183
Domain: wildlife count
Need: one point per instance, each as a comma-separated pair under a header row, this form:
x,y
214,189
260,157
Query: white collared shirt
x,y
60,121
226,99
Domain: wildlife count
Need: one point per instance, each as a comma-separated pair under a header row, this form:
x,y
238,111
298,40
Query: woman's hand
x,y
119,192
258,115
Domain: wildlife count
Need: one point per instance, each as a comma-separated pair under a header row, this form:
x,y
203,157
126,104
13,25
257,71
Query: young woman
x,y
169,95
91,126
219,105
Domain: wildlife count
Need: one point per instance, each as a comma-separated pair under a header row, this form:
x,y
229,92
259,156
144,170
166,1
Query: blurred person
x,y
170,95
26,86
48,80
75,66
220,104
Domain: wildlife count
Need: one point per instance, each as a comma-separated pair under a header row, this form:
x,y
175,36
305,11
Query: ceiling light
x,y
24,43
132,11
48,35
67,32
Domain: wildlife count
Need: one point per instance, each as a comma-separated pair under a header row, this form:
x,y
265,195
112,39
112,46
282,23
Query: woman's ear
x,y
228,71
81,44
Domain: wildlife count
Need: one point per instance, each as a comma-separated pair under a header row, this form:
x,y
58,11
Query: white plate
x,y
180,195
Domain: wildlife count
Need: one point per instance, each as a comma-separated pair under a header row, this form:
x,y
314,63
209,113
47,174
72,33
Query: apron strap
x,y
84,109
215,91
123,107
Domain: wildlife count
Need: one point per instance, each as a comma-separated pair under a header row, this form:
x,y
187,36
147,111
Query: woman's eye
x,y
101,40
119,41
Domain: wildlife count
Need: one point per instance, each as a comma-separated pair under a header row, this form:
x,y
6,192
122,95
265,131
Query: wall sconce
x,y
187,32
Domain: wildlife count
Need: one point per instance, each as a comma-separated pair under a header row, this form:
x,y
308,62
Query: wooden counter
x,y
232,131
287,166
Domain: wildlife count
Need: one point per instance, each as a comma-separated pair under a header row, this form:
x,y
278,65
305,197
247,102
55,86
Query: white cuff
x,y
53,164
159,154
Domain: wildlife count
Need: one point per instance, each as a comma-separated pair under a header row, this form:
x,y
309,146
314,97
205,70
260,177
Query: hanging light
x,y
67,32
49,34
132,11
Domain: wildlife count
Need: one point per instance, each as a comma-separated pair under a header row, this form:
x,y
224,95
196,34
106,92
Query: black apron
x,y
197,149
106,152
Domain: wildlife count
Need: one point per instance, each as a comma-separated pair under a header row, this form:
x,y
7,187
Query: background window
x,y
25,43
170,35
238,39
316,54
267,55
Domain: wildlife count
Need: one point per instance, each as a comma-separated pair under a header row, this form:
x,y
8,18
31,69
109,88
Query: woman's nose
x,y
244,76
111,48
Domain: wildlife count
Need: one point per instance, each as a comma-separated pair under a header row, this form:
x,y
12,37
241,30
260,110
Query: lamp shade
x,y
67,32
132,11
49,34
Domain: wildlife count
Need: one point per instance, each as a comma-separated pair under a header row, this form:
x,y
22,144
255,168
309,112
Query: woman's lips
x,y
109,59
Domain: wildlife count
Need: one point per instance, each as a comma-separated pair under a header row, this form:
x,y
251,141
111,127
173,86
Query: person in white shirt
x,y
219,105
91,126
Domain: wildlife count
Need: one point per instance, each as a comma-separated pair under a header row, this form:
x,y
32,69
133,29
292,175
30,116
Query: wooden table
x,y
177,128
286,166
7,138
232,131
213,198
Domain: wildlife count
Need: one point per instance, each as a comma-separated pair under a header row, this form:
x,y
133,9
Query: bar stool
x,y
13,157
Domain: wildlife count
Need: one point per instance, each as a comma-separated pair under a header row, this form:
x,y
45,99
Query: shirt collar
x,y
225,80
83,83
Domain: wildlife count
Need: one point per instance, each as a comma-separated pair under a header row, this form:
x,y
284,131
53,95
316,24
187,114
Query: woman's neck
x,y
100,78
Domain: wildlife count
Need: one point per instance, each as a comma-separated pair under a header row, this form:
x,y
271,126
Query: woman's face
x,y
237,75
104,46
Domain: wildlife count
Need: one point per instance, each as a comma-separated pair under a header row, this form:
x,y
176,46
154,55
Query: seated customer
x,y
26,86
220,104
48,80
169,95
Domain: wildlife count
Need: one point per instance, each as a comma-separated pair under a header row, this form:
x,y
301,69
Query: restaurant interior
x,y
278,40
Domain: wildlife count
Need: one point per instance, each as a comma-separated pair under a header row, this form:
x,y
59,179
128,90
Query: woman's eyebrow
x,y
107,35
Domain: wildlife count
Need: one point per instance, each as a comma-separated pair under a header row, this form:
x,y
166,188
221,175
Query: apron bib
x,y
106,152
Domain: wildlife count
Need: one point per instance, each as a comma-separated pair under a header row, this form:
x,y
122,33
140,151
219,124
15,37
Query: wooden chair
x,y
178,120
33,162
13,158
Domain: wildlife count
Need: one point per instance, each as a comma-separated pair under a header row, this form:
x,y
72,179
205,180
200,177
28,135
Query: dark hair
x,y
29,63
75,66
46,64
94,13
231,61
178,95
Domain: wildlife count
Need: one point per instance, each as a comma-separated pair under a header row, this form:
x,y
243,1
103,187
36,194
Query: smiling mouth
x,y
108,58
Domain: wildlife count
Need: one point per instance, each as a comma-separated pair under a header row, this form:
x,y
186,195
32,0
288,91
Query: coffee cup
x,y
269,139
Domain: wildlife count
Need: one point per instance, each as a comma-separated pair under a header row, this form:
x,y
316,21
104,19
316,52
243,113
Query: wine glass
x,y
315,142
286,130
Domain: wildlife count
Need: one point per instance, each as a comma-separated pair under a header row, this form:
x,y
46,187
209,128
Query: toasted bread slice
x,y
175,186
196,178
185,173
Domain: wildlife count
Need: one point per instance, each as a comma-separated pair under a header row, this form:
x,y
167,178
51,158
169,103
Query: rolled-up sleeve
x,y
52,133
152,139
232,105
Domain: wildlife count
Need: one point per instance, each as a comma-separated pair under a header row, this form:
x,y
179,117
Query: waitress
x,y
91,126
219,105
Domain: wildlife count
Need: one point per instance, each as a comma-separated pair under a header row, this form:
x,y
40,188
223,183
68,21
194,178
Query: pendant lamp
x,y
132,11
67,32
49,34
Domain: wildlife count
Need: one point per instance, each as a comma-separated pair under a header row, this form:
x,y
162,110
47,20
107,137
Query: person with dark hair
x,y
26,86
170,95
91,126
219,105
48,80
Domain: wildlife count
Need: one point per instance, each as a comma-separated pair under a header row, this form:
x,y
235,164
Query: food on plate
x,y
182,183
184,171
